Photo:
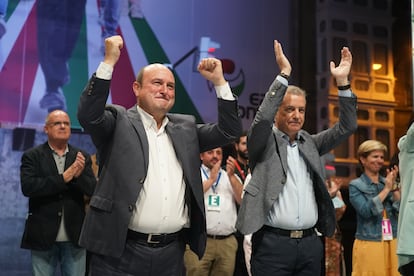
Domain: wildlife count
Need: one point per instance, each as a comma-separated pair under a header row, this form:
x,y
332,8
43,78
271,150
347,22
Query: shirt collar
x,y
381,179
205,168
149,121
299,136
64,153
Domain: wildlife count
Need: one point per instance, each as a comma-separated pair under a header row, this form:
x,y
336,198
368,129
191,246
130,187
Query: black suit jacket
x,y
123,149
48,194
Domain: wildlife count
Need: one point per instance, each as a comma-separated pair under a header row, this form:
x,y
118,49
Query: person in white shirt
x,y
222,191
149,200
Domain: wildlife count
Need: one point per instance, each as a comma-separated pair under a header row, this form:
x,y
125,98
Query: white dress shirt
x,y
222,221
160,207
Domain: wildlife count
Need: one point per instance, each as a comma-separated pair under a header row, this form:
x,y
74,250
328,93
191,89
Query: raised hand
x,y
333,185
230,165
212,70
391,177
75,169
341,72
281,59
113,46
79,164
215,171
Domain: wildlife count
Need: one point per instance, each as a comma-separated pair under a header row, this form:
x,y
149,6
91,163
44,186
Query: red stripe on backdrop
x,y
18,73
122,79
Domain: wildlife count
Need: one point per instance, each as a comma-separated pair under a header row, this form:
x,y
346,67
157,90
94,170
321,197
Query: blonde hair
x,y
369,146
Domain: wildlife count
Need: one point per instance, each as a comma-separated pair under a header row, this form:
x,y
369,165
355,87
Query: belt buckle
x,y
149,239
296,234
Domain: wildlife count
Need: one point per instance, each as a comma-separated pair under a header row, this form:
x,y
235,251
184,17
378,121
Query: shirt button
x,y
130,207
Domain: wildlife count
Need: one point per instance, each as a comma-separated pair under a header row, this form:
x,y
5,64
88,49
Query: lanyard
x,y
243,176
214,186
384,213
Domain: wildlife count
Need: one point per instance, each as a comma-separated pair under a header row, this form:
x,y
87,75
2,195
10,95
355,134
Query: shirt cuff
x,y
224,92
345,93
104,71
283,80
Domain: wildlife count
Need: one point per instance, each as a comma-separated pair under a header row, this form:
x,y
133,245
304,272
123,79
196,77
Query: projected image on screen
x,y
50,48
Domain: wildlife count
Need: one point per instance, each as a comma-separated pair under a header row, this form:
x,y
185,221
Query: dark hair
x,y
244,133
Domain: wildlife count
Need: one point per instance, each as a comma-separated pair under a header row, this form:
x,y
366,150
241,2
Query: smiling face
x,y
373,162
371,154
211,157
291,114
155,90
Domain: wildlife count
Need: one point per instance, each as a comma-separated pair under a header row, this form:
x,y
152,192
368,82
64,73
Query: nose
x,y
296,112
162,89
165,88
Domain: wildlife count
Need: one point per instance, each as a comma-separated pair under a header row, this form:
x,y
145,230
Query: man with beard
x,y
242,157
222,190
242,170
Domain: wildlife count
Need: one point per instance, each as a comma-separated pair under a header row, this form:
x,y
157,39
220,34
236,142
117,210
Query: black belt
x,y
154,240
219,237
293,234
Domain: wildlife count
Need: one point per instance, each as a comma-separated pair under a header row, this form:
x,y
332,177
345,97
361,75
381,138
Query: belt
x,y
219,237
154,240
293,234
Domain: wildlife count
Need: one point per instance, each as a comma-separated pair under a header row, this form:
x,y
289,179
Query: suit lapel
x,y
136,122
281,148
70,157
312,158
179,143
48,155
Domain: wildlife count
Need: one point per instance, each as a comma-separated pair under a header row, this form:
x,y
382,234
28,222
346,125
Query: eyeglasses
x,y
55,124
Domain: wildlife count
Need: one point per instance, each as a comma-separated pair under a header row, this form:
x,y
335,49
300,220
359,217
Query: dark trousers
x,y
274,254
141,260
407,270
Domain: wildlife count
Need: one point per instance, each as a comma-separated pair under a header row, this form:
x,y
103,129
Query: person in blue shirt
x,y
376,203
286,199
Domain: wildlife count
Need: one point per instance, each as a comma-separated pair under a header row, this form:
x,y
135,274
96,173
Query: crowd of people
x,y
174,197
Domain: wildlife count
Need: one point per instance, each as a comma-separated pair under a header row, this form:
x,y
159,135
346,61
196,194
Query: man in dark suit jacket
x,y
286,198
149,200
56,176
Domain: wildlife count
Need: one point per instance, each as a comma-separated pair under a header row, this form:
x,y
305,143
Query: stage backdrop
x,y
173,32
